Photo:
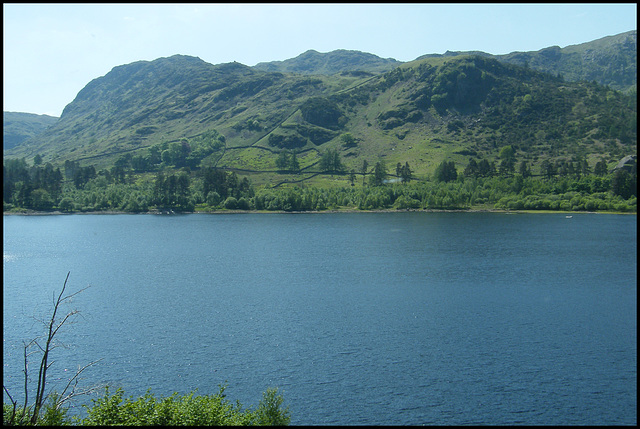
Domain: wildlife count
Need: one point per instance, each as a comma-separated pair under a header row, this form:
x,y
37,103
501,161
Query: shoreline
x,y
334,211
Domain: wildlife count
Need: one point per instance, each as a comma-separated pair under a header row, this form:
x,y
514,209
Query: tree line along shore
x,y
558,187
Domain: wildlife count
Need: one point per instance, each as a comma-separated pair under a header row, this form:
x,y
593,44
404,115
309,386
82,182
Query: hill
x,y
18,127
149,102
610,61
444,107
339,61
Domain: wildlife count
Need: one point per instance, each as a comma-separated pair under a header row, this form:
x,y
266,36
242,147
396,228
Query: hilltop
x,y
339,61
610,61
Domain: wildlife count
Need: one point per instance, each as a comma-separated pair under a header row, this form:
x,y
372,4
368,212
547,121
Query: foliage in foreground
x,y
188,410
191,409
49,409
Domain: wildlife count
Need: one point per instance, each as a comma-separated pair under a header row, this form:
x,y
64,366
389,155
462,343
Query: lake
x,y
358,318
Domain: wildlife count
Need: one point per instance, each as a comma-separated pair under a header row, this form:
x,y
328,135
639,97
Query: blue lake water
x,y
364,318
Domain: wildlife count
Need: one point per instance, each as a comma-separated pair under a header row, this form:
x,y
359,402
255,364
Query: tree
x,y
507,152
177,152
583,167
405,173
523,169
82,175
214,179
30,414
213,198
288,161
446,172
363,170
486,168
22,194
471,170
282,163
159,190
155,156
331,162
294,165
622,184
183,181
348,140
41,200
244,204
139,163
231,203
547,169
379,173
66,204
352,177
600,168
112,409
70,168
507,160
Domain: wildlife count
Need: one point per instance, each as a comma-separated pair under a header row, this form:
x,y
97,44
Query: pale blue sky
x,y
51,51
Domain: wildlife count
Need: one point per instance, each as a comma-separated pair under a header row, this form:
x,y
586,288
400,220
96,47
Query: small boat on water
x,y
568,217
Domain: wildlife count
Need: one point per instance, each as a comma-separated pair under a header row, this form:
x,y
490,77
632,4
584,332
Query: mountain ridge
x,y
433,107
340,60
591,59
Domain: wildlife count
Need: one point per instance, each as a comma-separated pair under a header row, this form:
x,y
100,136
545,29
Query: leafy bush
x,y
231,203
50,415
66,204
113,409
188,410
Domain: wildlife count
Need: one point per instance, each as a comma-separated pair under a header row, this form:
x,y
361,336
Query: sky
x,y
51,51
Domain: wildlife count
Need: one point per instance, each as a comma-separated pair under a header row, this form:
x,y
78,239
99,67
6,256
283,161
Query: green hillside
x,y
438,107
457,130
610,61
18,127
149,102
422,112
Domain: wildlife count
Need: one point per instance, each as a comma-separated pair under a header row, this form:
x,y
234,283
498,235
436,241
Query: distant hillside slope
x,y
440,107
423,112
147,102
18,127
610,61
313,62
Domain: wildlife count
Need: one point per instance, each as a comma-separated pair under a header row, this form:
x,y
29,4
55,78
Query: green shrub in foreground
x,y
50,415
188,410
201,410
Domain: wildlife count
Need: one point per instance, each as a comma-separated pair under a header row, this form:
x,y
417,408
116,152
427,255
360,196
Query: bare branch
x,y
8,394
68,297
55,331
26,381
74,380
14,403
45,344
42,375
